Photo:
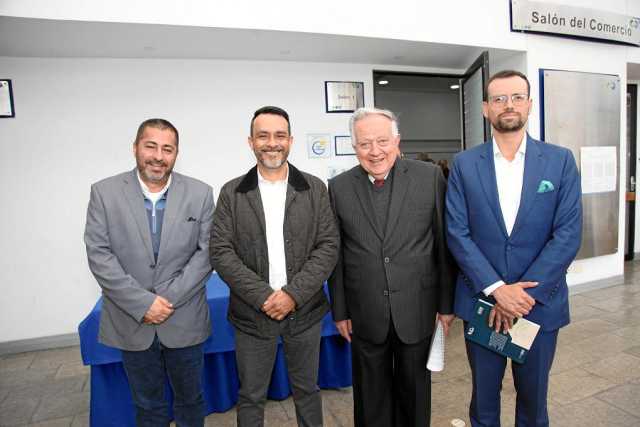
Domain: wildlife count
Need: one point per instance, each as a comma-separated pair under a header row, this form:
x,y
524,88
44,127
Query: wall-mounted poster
x,y
343,97
6,99
318,145
343,146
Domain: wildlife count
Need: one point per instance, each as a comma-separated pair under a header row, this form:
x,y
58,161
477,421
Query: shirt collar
x,y
262,180
522,149
147,192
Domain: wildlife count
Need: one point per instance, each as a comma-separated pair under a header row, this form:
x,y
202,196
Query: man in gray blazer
x,y
274,242
147,238
393,275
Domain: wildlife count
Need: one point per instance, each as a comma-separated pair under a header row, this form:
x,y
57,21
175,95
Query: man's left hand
x,y
447,320
278,305
500,319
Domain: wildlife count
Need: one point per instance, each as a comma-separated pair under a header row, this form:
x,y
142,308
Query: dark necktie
x,y
378,183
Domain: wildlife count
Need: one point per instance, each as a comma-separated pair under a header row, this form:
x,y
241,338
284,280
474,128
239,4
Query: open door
x,y
475,128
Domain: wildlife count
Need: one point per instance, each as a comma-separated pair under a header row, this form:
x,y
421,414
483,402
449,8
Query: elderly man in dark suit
x,y
147,238
394,274
274,242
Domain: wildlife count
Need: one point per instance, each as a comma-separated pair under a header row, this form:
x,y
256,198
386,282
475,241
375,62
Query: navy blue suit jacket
x,y
545,237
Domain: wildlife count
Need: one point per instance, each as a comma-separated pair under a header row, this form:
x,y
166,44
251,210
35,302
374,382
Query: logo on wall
x,y
318,145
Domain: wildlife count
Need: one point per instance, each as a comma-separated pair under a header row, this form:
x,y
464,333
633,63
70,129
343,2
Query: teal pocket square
x,y
545,186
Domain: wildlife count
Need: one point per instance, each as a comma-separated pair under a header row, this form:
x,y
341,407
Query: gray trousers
x,y
255,358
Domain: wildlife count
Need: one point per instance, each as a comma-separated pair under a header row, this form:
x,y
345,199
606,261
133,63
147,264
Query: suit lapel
x,y
360,182
401,183
175,200
534,167
487,174
135,199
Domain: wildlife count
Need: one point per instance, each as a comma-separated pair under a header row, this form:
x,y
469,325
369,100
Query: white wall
x,y
75,122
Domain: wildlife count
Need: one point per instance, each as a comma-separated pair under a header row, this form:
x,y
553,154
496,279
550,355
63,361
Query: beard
x,y
152,176
508,125
272,157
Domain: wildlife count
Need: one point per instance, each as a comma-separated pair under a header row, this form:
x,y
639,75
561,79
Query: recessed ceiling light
x,y
383,82
454,87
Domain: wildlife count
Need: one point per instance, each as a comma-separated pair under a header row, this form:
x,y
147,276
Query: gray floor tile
x,y
611,292
634,351
13,379
616,304
604,345
591,412
16,362
80,420
59,406
576,384
17,412
578,331
49,387
72,369
625,397
60,422
223,419
49,359
619,368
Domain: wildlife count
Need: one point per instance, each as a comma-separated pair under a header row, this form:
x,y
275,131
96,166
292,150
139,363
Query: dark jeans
x,y
147,371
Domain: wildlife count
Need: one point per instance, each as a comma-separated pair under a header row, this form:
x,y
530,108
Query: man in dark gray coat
x,y
394,273
274,242
147,238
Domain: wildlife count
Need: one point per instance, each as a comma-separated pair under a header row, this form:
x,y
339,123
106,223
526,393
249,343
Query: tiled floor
x,y
595,379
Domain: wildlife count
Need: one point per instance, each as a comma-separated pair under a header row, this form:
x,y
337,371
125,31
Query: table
x,y
111,403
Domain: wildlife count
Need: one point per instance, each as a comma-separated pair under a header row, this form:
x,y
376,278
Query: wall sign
x,y
542,17
343,97
6,99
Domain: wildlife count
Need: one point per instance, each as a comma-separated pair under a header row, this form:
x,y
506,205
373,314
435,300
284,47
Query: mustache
x,y
153,163
276,149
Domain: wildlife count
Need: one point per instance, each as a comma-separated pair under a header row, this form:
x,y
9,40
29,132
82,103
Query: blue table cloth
x,y
111,403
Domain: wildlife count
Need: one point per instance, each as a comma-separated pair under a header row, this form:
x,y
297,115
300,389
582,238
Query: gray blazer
x,y
239,251
121,258
404,275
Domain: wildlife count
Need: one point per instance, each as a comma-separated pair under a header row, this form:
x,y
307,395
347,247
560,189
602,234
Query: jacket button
x,y
386,293
386,260
152,266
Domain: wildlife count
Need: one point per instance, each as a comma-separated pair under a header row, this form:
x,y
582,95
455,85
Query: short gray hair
x,y
363,112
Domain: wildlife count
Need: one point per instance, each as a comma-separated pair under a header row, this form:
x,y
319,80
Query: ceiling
x,y
25,37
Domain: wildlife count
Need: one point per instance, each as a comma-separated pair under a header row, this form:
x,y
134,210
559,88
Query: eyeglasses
x,y
366,146
517,99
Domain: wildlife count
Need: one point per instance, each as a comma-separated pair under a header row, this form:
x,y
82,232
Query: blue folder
x,y
478,331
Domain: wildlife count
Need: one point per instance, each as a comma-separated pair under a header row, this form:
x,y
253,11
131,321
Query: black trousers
x,y
391,384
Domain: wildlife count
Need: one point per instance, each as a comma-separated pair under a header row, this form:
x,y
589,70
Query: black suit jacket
x,y
404,275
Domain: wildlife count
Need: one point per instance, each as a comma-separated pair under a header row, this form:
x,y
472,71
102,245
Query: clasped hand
x,y
159,311
512,302
278,305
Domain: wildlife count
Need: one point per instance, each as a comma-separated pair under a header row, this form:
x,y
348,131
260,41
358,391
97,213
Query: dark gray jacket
x,y
239,250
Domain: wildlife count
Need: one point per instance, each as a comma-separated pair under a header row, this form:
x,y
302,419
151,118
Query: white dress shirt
x,y
274,196
509,176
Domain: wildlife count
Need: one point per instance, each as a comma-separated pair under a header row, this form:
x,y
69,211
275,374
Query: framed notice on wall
x,y
6,99
343,97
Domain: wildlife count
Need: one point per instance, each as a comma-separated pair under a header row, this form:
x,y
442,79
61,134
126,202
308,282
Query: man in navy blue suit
x,y
514,221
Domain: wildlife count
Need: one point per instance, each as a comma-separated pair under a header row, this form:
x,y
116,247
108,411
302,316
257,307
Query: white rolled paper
x,y
436,354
